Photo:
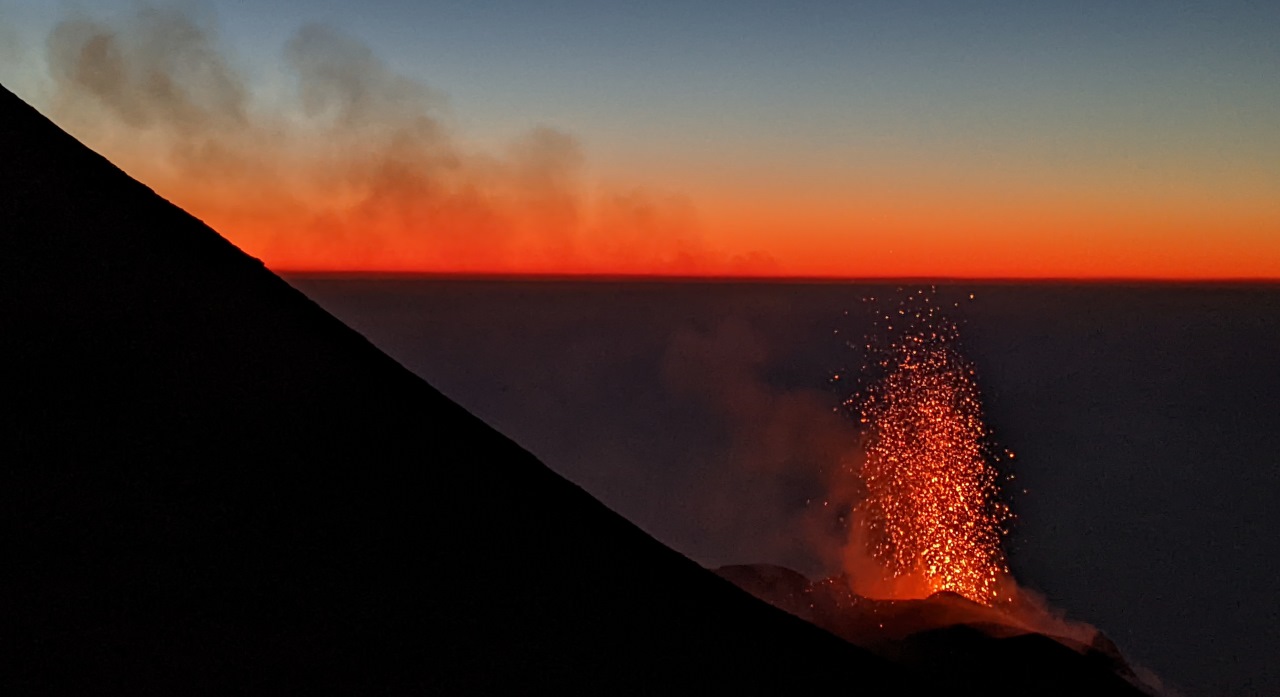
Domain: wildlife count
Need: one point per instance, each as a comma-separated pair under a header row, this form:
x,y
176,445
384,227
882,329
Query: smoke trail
x,y
354,166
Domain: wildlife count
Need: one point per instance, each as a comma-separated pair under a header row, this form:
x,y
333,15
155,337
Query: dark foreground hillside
x,y
209,485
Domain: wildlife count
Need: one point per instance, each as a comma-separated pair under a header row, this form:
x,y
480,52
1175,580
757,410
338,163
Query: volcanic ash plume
x,y
931,518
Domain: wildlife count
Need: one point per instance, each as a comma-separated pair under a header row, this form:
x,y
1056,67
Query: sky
x,y
841,139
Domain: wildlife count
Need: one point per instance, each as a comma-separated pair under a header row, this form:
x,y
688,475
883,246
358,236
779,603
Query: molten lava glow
x,y
931,517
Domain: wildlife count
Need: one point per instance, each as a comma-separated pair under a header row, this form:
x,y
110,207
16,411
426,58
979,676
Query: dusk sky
x,y
847,139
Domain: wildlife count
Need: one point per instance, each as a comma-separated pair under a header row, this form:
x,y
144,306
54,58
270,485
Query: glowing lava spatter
x,y
932,513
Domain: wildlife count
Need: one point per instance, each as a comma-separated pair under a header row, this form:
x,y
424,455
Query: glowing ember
x,y
931,515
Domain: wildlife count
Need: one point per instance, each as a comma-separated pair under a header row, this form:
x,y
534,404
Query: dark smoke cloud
x,y
776,490
161,70
357,162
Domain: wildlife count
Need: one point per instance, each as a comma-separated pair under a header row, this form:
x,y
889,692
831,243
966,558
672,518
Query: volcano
x,y
211,486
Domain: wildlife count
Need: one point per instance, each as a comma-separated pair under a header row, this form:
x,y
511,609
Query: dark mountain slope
x,y
949,639
209,485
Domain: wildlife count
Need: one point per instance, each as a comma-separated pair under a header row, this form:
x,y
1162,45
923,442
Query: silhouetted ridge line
x,y
212,486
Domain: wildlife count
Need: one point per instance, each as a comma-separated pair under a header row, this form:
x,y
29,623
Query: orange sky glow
x,y
638,237
343,164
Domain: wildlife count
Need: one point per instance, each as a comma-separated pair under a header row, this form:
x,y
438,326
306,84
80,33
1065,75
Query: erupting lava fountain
x,y
931,517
